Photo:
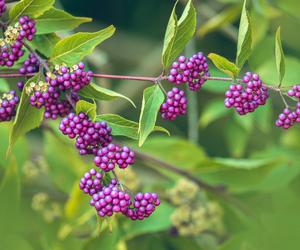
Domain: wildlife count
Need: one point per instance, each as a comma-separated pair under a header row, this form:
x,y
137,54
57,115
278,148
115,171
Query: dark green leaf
x,y
153,97
178,33
54,20
31,8
244,38
27,117
280,61
123,127
224,65
89,108
45,43
96,92
72,49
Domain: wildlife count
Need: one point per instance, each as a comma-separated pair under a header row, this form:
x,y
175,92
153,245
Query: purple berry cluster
x,y
8,104
11,46
143,206
288,118
90,183
176,104
90,136
58,108
109,156
30,65
247,98
190,70
2,7
64,78
110,200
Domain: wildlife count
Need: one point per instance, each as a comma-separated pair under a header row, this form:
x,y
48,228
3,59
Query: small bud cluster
x,y
30,65
12,43
2,7
109,156
247,99
288,118
8,103
175,105
194,214
190,70
90,136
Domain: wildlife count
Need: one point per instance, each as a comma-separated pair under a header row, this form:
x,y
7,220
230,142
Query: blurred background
x,y
252,165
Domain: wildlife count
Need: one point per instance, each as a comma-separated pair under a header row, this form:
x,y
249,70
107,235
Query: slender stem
x,y
123,77
41,61
283,99
217,190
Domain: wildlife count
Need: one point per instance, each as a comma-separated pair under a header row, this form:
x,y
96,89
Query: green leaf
x,y
96,92
157,222
72,49
224,65
178,33
64,168
280,62
124,127
213,110
220,20
54,20
89,108
153,97
244,38
27,117
10,199
31,8
45,43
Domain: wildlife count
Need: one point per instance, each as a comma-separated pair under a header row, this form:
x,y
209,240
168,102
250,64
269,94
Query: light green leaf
x,y
96,92
280,61
244,38
178,33
213,110
124,127
220,20
54,20
224,65
45,43
27,117
64,168
72,49
31,8
153,97
89,108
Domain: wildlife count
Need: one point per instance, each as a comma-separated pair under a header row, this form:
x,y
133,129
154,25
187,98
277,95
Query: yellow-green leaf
x,y
280,61
224,65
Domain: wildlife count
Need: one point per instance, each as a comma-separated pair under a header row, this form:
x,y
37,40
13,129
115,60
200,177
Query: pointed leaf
x,y
89,108
244,38
54,20
280,61
31,8
96,92
27,117
123,127
153,97
72,49
178,33
224,65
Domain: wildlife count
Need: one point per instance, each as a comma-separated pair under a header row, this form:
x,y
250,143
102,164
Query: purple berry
x,y
8,104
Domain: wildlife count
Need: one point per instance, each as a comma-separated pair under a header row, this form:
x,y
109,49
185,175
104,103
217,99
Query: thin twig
x,y
283,99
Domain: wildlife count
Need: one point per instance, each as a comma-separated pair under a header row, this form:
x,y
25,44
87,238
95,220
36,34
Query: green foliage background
x,y
257,162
